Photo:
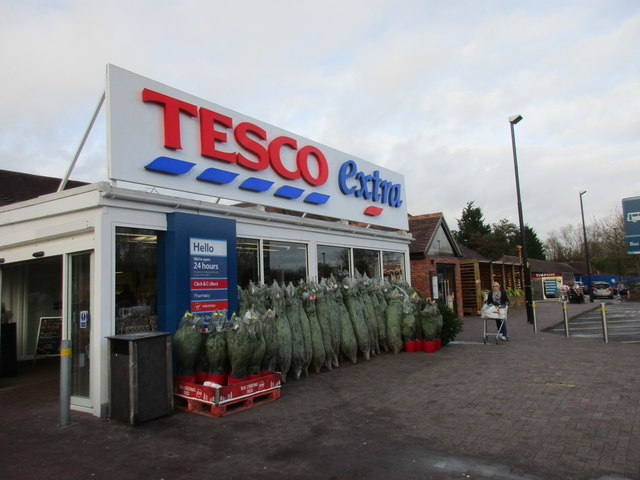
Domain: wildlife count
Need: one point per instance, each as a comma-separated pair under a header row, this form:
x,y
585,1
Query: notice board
x,y
49,336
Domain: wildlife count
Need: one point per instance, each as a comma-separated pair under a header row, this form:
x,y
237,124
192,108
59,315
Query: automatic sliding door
x,y
80,325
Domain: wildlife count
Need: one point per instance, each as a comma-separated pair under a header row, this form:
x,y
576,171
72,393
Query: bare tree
x,y
607,251
608,244
566,245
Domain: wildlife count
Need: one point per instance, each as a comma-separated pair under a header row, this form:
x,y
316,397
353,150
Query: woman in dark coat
x,y
498,298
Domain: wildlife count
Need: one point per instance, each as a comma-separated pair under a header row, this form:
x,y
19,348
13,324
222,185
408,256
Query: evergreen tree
x,y
495,241
506,236
503,240
535,248
471,227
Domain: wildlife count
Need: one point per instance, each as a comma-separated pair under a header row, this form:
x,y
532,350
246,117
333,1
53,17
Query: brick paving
x,y
540,406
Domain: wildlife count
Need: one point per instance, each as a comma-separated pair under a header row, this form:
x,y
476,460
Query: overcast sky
x,y
421,87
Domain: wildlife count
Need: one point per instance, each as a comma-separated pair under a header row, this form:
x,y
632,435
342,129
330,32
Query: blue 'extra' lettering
x,y
368,187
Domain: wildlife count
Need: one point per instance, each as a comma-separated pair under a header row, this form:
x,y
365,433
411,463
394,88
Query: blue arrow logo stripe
x,y
256,184
173,166
289,192
317,198
169,165
215,175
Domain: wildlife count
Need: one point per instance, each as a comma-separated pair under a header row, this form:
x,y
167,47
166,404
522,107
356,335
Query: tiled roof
x,y
422,227
18,187
543,266
471,254
581,268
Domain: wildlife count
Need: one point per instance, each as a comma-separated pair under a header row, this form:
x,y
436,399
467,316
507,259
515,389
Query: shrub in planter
x,y
516,297
451,324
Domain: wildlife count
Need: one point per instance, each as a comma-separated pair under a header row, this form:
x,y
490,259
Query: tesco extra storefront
x,y
133,253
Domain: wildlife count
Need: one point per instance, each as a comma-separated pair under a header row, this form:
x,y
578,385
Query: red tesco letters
x,y
215,129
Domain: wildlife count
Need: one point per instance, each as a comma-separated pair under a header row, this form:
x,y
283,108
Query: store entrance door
x,y
447,285
79,323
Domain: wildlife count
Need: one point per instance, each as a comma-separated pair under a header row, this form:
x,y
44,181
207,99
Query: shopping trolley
x,y
492,313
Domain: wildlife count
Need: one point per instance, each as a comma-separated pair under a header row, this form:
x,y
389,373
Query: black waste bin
x,y
141,379
8,350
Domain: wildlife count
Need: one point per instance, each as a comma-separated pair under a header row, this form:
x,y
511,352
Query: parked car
x,y
601,290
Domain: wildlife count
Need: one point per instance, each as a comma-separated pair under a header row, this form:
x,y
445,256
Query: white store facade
x,y
134,252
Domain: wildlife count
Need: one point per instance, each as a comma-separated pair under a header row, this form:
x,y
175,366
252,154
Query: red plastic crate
x,y
222,400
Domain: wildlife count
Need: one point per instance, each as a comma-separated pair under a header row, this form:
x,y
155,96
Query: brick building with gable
x,y
435,260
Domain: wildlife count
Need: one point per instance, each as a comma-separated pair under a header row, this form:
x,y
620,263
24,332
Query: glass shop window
x,y
367,261
393,265
284,261
248,250
136,271
333,260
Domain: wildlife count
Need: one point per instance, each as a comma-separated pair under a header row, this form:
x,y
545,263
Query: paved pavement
x,y
539,406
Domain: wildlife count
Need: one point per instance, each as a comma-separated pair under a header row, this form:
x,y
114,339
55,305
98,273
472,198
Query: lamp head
x,y
515,119
583,192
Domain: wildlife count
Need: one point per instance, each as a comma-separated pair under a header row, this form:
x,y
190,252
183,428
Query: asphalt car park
x,y
622,320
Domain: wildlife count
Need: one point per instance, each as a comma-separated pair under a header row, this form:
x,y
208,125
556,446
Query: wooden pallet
x,y
233,406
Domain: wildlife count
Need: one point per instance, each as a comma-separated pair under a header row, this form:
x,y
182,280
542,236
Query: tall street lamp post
x,y
586,245
528,293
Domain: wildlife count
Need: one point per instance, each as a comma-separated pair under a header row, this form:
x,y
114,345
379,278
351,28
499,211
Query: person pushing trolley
x,y
496,306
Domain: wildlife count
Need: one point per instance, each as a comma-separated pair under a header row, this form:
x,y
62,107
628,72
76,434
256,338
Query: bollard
x,y
535,320
605,329
65,383
566,319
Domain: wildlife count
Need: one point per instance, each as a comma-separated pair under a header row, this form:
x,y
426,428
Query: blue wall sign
x,y
197,268
631,212
208,275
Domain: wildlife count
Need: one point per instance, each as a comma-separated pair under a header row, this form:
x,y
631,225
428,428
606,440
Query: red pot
x,y
429,346
410,345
